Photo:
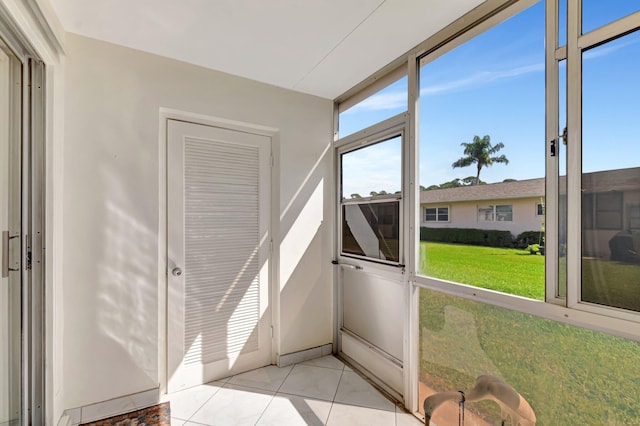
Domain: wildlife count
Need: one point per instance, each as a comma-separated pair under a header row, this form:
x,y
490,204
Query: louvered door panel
x,y
221,192
218,215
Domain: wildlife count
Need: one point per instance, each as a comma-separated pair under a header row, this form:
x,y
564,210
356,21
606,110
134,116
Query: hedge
x,y
480,237
528,238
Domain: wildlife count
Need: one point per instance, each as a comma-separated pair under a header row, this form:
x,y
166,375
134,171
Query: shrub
x,y
528,238
478,237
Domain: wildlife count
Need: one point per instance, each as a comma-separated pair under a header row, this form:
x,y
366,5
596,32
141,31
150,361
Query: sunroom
x,y
196,191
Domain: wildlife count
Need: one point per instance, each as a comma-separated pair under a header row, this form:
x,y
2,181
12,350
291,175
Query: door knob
x,y
176,272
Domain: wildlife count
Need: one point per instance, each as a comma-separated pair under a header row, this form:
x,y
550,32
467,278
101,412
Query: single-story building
x,y
611,207
506,206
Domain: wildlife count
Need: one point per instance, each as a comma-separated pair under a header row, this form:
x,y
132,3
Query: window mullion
x,y
411,362
551,210
574,152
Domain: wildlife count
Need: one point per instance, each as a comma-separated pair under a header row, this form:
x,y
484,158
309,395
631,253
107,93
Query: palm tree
x,y
480,152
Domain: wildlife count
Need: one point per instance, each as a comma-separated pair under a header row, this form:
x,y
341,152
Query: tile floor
x,y
322,391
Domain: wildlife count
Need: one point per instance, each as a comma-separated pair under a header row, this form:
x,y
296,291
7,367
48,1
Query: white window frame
x,y
381,132
437,219
539,206
494,212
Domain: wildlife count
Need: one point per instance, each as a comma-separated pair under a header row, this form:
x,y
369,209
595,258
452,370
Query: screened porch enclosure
x,y
445,196
519,217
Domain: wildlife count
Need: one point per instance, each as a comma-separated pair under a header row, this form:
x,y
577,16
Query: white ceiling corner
x,y
319,47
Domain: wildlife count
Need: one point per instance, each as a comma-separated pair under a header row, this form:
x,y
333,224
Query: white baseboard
x,y
110,408
305,355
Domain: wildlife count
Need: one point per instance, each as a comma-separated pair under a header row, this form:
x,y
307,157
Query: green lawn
x,y
518,272
611,283
510,271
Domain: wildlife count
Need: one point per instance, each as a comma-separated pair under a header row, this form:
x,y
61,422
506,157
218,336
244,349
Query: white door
x,y
218,248
372,286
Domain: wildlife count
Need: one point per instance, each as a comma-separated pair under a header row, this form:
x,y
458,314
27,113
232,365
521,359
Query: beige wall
x,y
113,96
465,215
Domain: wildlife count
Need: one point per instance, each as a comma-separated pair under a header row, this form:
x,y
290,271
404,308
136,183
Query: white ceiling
x,y
320,47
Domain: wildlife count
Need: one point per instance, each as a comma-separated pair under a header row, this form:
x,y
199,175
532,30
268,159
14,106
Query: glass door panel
x,y
611,174
10,280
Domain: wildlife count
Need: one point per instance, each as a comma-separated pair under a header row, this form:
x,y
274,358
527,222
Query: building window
x,y
437,214
602,210
634,217
495,213
540,209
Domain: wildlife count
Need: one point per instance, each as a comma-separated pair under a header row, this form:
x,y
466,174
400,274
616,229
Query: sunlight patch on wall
x,y
299,237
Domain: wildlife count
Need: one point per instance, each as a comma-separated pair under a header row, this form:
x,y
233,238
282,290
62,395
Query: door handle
x,y
347,265
5,254
176,272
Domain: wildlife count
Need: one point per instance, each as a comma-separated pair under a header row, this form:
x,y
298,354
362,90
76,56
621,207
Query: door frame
x,y
166,114
27,129
393,380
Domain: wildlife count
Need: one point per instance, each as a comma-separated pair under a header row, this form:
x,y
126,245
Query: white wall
x,y
111,208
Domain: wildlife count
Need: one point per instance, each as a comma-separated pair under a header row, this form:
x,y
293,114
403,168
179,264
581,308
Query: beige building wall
x,y
465,215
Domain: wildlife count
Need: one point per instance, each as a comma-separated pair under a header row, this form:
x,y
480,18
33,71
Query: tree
x,y
471,180
452,184
481,153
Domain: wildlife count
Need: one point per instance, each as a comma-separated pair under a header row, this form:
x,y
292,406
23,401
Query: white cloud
x,y
398,100
482,77
608,48
381,102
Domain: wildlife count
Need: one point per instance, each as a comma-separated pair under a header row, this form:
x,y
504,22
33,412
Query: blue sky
x,y
494,85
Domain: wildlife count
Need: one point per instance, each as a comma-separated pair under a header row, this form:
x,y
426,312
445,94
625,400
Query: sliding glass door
x,y
10,226
22,205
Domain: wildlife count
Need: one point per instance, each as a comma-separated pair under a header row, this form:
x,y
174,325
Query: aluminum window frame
x,y
577,44
388,129
567,309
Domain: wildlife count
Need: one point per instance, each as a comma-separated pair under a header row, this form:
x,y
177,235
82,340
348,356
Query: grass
x,y
611,283
510,271
519,272
569,375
